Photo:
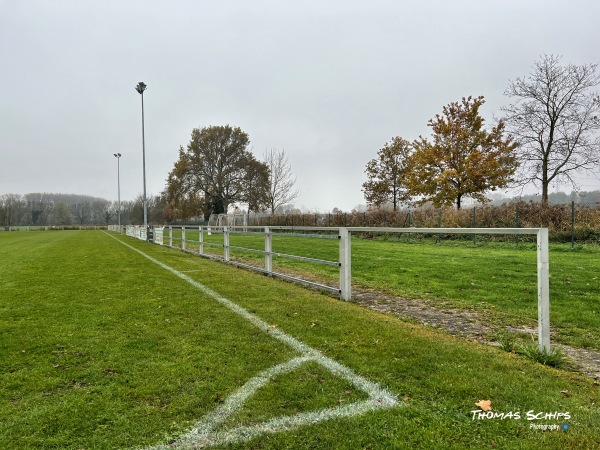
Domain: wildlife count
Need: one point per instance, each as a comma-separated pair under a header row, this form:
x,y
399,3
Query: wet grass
x,y
498,279
101,348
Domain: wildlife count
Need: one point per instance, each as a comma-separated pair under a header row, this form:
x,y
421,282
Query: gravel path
x,y
466,324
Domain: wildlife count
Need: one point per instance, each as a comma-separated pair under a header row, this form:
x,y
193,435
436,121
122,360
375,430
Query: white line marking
x,y
204,432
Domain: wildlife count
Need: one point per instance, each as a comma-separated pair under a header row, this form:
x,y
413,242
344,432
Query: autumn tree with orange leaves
x,y
463,159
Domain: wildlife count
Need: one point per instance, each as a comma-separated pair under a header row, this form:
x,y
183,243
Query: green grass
x,y
497,279
308,388
101,348
553,357
500,280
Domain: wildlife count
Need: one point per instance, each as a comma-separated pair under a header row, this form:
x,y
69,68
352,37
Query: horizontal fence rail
x,y
344,262
184,242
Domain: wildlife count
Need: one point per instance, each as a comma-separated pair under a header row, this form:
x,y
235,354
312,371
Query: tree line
x,y
548,134
566,221
46,209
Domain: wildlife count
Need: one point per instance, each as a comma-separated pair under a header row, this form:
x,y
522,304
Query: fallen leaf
x,y
566,393
273,325
406,398
485,405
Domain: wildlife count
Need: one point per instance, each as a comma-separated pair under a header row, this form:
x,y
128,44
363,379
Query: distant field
x,y
499,279
102,347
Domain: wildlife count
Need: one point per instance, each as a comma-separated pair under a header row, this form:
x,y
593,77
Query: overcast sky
x,y
329,82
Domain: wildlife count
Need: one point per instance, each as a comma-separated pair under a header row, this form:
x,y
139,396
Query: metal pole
x,y
226,244
543,262
268,252
119,189
144,165
118,156
345,263
141,87
200,241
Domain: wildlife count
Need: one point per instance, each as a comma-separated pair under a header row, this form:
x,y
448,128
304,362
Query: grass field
x,y
102,347
497,279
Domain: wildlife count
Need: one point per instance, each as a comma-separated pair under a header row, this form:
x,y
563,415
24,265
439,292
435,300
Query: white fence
x,y
139,232
344,261
136,231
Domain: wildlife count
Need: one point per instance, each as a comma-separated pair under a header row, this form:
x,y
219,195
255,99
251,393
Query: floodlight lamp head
x,y
141,87
117,155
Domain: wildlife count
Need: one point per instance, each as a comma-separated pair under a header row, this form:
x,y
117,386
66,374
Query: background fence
x,y
565,223
573,222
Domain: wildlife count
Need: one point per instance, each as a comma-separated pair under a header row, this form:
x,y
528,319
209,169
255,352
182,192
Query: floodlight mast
x,y
118,156
141,87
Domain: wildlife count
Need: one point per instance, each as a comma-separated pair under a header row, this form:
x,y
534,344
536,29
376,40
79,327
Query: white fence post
x,y
183,238
226,244
200,241
170,236
268,252
543,263
345,265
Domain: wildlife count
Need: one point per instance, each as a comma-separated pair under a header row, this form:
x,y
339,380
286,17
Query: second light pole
x,y
118,156
141,87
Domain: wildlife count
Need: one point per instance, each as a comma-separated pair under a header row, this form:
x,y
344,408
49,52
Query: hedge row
x,y
563,221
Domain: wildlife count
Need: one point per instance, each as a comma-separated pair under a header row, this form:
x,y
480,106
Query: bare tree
x,y
62,215
82,211
282,180
12,207
555,119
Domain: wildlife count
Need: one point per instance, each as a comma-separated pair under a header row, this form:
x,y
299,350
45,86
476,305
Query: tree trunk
x,y
545,192
545,180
